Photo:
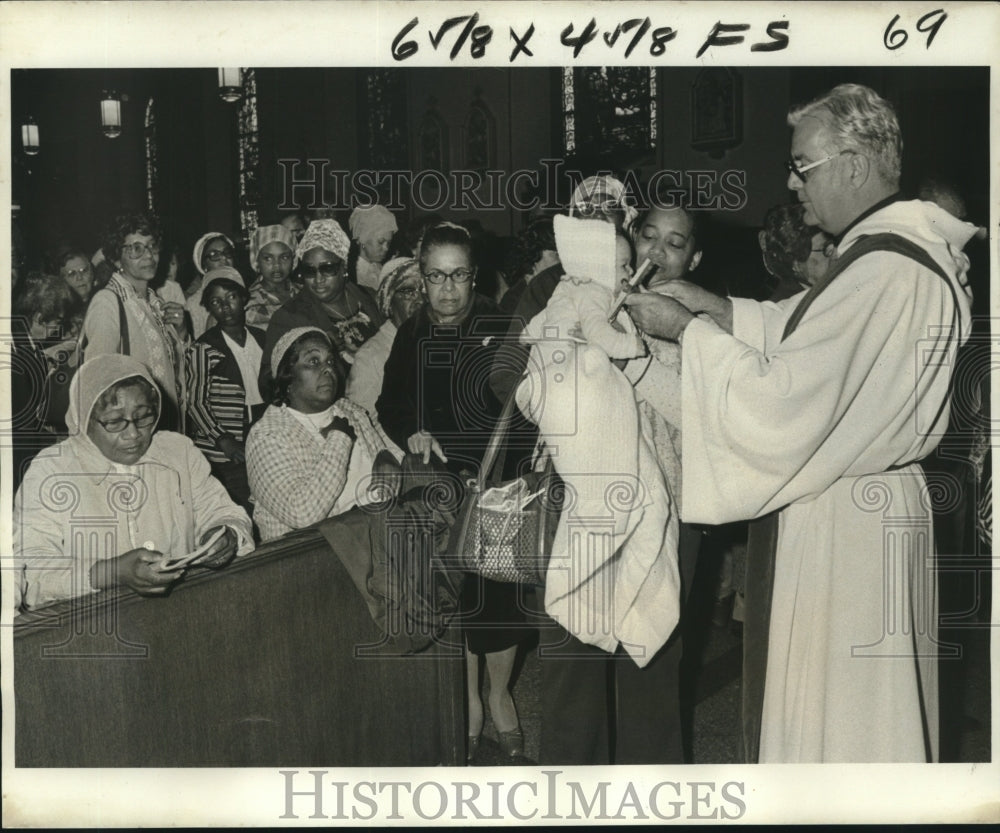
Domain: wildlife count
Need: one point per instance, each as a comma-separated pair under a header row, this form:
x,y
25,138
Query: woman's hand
x,y
234,450
698,299
173,314
222,551
657,315
423,443
135,570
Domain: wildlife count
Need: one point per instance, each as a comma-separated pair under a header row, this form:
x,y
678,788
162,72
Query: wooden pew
x,y
272,661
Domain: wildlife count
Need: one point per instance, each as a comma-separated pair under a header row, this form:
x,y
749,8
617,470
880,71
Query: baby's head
x,y
603,198
592,250
623,258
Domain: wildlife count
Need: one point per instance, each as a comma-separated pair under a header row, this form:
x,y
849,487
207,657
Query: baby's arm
x,y
593,305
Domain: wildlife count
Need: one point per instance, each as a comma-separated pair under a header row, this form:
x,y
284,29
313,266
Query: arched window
x,y
249,156
609,111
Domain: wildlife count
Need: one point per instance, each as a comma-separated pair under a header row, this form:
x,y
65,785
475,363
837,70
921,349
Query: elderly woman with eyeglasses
x,y
400,295
106,506
436,403
74,267
128,317
343,310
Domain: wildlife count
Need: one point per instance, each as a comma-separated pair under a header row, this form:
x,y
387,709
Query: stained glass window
x,y
249,156
152,170
385,98
609,111
480,136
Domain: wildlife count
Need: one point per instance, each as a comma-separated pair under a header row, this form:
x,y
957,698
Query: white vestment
x,y
822,426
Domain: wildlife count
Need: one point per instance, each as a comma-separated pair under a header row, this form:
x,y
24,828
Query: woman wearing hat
x,y
309,456
272,256
400,294
210,252
223,367
372,228
328,301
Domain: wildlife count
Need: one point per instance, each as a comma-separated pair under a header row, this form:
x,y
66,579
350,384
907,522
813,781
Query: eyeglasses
x,y
77,273
793,168
219,254
137,250
116,426
458,276
407,292
328,269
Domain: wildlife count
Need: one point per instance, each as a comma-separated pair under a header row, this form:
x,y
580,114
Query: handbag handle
x,y
486,468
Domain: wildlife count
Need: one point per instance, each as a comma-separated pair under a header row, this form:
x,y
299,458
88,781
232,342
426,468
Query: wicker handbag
x,y
504,530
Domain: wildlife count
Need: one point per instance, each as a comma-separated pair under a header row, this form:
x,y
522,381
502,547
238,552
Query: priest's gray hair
x,y
862,121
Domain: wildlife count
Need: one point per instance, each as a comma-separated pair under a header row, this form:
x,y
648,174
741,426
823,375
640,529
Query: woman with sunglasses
x,y
104,507
128,317
346,312
436,403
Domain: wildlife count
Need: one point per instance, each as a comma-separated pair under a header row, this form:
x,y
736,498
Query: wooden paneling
x,y
261,664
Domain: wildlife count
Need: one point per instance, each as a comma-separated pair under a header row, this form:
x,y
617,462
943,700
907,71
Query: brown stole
x,y
762,539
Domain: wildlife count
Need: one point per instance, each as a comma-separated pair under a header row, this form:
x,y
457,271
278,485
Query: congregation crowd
x,y
225,396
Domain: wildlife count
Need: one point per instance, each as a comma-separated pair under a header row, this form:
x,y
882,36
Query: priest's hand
x,y
698,299
657,315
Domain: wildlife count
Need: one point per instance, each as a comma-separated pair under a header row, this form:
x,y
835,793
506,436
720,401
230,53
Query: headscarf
x,y
324,234
287,340
94,377
602,195
270,234
203,241
393,274
368,221
586,249
220,273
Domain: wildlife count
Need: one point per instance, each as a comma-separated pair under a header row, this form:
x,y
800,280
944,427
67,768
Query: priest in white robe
x,y
822,418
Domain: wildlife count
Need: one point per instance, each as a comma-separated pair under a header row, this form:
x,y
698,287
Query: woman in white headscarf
x,y
372,228
104,507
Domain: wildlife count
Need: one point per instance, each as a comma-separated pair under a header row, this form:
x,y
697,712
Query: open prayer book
x,y
168,563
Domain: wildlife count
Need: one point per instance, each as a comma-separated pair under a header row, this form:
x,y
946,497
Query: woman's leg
x,y
475,702
500,664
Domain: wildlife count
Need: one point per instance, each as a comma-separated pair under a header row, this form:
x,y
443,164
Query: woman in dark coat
x,y
436,403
